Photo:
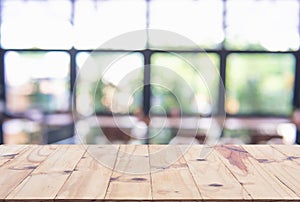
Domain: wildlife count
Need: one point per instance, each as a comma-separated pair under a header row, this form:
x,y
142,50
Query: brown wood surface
x,y
144,173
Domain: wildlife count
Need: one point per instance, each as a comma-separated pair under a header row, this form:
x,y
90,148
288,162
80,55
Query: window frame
x,y
147,53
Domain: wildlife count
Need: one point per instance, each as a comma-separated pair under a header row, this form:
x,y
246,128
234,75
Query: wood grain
x,y
131,175
260,184
146,173
47,179
212,177
291,153
175,181
277,164
2,148
90,178
8,153
23,164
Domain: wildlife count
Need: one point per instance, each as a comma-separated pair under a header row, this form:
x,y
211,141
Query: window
x,y
178,84
265,25
37,80
36,24
108,87
48,45
96,22
260,83
199,21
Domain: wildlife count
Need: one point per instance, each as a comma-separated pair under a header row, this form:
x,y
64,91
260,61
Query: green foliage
x,y
260,83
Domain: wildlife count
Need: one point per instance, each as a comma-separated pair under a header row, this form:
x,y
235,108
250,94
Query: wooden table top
x,y
141,172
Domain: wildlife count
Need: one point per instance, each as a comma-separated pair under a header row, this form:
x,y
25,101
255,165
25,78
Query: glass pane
x,y
260,83
266,24
36,24
109,82
96,22
21,131
177,86
199,21
37,80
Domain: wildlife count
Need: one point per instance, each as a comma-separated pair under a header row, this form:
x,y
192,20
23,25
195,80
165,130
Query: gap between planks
x,y
46,180
21,167
284,168
130,179
250,164
171,177
212,177
261,185
90,178
9,152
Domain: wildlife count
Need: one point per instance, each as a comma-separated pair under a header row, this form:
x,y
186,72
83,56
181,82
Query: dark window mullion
x,y
222,83
2,95
296,94
222,68
73,71
147,87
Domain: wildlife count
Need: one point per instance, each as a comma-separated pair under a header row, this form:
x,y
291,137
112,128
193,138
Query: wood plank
x,y
47,179
141,172
107,159
90,179
21,166
2,148
213,179
131,176
9,152
260,184
274,162
174,181
7,149
291,152
31,200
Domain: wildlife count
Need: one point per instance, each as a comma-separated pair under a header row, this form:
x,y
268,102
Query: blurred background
x,y
254,45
